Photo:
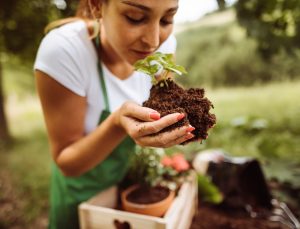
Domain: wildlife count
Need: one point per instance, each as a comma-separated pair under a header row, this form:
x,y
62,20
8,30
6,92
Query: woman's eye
x,y
166,22
134,20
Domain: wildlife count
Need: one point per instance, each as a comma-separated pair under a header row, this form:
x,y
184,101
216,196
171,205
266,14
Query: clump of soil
x,y
172,98
148,195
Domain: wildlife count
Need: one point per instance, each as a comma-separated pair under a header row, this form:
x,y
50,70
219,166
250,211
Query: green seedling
x,y
159,65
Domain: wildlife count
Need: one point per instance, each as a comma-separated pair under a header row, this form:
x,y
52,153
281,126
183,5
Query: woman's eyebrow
x,y
145,8
142,7
173,9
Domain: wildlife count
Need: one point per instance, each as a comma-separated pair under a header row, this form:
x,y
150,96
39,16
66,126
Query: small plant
x,y
151,167
167,97
153,180
159,65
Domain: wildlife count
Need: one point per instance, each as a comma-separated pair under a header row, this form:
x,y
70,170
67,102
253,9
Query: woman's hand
x,y
142,124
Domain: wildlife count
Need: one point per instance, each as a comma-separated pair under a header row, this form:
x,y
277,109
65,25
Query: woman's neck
x,y
120,68
116,65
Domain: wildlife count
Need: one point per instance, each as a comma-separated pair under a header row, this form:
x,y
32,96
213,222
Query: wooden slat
x,y
188,210
174,215
106,198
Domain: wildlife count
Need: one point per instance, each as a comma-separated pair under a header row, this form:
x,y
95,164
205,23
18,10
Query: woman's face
x,y
134,29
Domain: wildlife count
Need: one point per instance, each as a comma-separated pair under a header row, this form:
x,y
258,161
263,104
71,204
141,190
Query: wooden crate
x,y
99,212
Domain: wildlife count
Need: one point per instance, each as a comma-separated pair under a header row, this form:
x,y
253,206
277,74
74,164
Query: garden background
x,y
246,57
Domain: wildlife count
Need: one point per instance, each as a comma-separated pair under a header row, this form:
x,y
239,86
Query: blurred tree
x,y
4,134
275,24
22,24
221,4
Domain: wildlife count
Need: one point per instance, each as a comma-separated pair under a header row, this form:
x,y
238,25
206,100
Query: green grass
x,y
28,158
18,77
274,105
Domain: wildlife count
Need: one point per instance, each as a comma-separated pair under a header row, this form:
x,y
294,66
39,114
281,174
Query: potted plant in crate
x,y
155,177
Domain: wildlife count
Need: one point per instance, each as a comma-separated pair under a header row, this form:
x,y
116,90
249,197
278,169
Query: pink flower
x,y
166,161
179,162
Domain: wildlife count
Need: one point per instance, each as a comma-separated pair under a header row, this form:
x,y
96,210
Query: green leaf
x,y
208,192
164,60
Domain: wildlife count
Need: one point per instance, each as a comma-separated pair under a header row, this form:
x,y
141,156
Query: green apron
x,y
68,192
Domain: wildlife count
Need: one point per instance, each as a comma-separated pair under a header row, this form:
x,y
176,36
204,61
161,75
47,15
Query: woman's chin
x,y
132,60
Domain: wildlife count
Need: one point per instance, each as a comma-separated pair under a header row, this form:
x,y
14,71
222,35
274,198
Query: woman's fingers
x,y
136,111
180,140
167,139
146,128
142,124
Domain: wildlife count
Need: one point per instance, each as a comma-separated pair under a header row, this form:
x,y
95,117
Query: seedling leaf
x,y
152,65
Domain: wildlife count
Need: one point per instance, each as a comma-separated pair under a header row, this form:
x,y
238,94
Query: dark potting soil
x,y
148,195
172,98
209,217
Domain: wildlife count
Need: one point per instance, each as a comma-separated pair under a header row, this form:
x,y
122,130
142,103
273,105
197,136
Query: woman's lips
x,y
143,54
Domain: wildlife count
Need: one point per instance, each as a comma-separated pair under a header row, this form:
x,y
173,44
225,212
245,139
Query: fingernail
x,y
154,115
180,116
190,129
189,136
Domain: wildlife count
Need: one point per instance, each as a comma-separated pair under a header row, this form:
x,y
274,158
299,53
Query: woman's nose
x,y
151,36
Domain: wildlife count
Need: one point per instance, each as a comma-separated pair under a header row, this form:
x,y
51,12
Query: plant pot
x,y
153,209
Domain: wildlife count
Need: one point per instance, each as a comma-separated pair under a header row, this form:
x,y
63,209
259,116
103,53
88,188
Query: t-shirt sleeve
x,y
57,58
169,45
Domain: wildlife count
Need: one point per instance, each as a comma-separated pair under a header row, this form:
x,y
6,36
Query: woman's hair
x,y
84,10
83,13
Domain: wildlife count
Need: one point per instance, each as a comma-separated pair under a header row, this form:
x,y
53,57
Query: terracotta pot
x,y
153,209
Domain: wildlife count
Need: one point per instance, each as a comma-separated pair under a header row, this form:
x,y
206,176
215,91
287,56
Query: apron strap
x,y
101,76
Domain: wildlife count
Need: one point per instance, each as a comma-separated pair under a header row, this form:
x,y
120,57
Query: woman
x,y
91,97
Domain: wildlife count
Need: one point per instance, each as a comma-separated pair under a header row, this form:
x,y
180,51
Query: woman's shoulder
x,y
66,54
69,36
70,39
72,29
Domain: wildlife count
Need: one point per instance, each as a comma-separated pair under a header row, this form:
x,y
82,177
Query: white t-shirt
x,y
67,55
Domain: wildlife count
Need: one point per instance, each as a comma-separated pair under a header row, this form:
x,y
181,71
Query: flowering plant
x,y
153,167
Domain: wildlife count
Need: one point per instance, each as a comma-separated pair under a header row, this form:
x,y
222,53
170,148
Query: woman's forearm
x,y
91,149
